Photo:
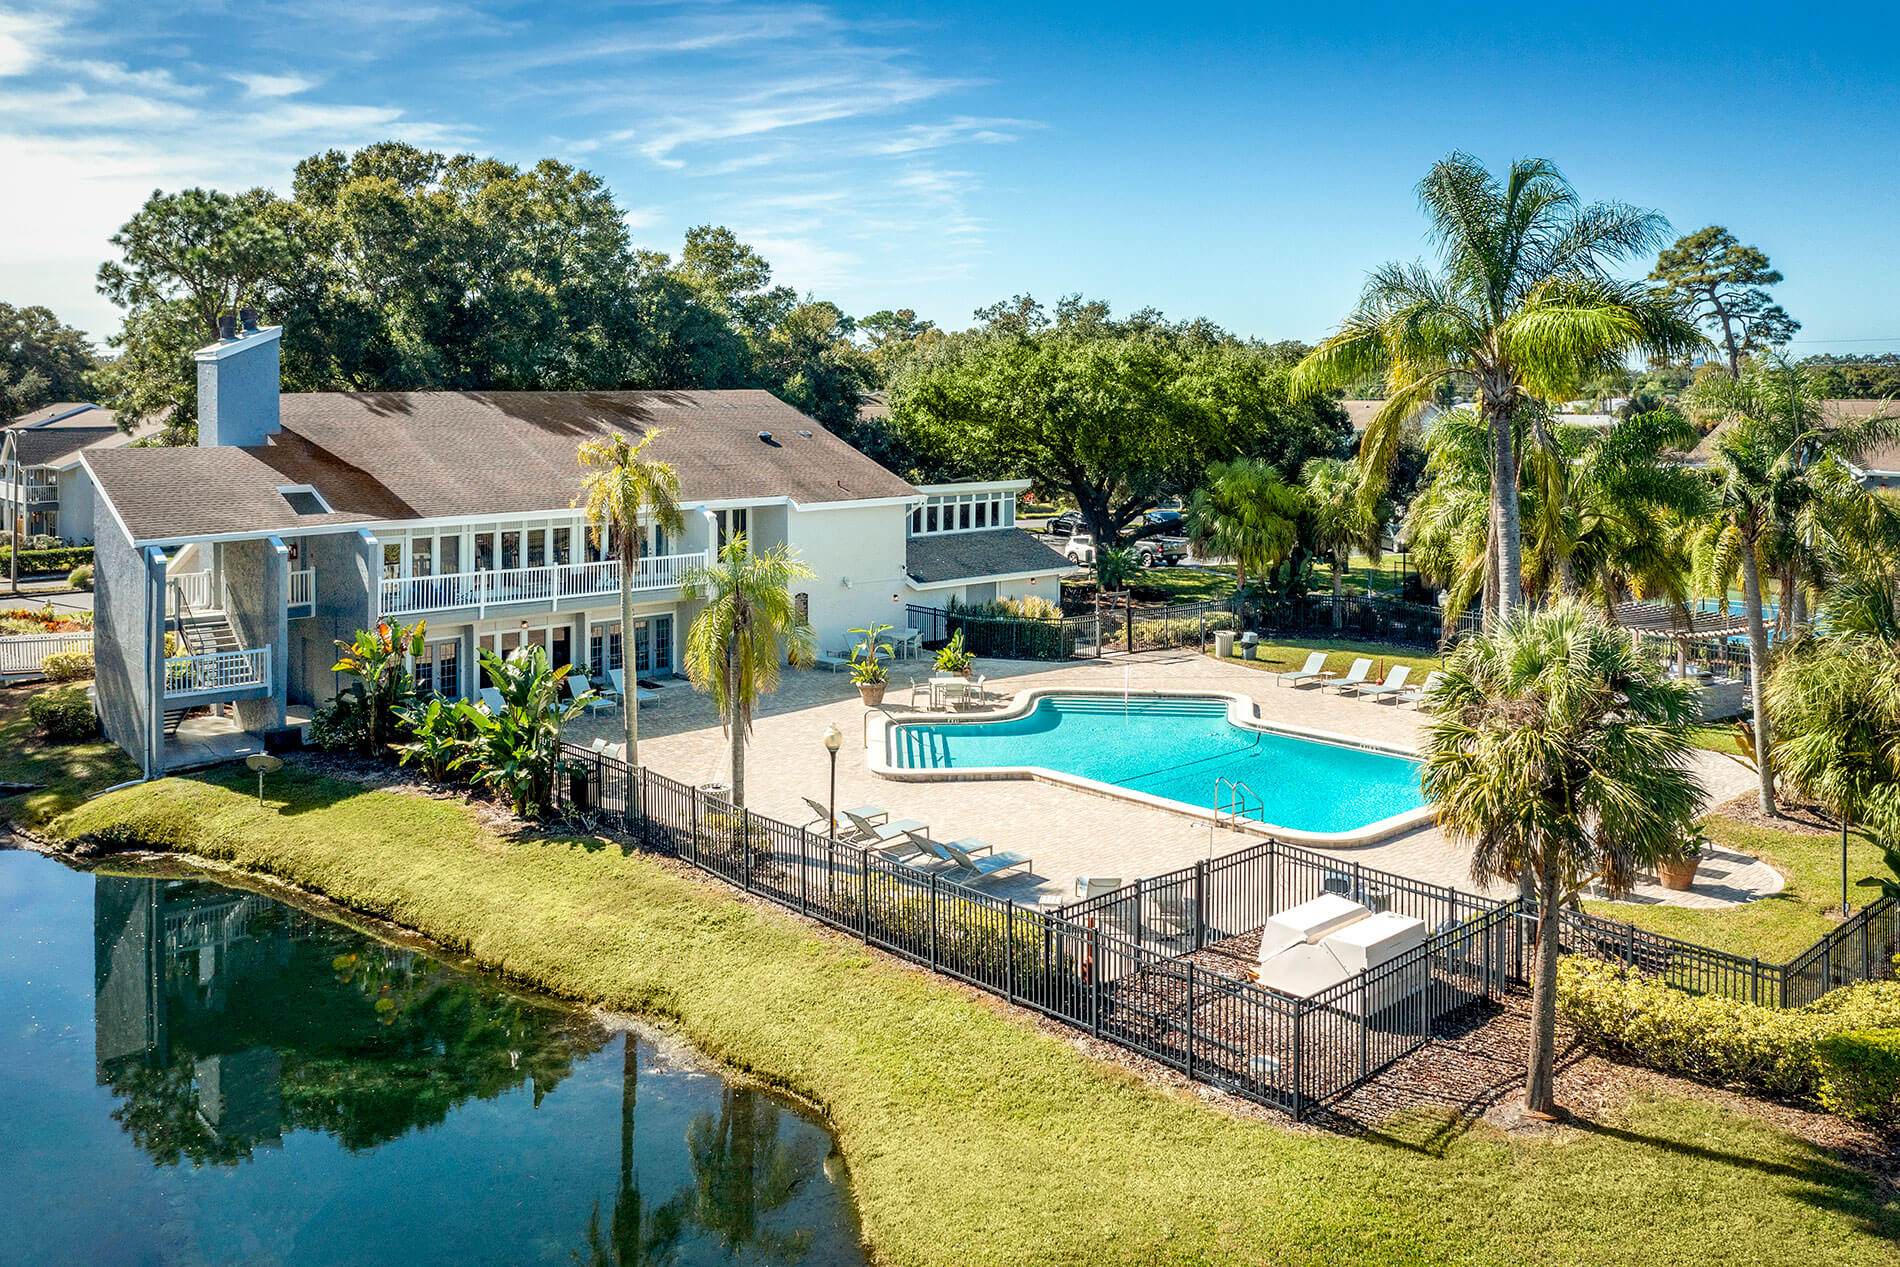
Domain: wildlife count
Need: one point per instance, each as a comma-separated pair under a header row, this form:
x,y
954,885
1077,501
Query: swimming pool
x,y
1171,749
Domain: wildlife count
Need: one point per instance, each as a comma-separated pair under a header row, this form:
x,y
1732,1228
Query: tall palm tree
x,y
1521,308
749,627
1247,513
621,489
1781,484
1559,750
1448,526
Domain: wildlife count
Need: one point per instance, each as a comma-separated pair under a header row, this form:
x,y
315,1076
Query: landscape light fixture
x,y
834,740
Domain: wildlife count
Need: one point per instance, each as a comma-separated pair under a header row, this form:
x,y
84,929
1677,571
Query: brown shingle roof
x,y
938,557
424,455
1876,457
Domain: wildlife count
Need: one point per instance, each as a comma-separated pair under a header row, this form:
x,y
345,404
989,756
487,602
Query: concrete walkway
x,y
1069,833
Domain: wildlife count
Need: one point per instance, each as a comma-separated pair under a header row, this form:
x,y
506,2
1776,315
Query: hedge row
x,y
61,559
1842,1052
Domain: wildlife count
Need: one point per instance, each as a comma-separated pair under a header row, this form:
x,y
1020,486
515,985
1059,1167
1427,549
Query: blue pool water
x,y
1176,748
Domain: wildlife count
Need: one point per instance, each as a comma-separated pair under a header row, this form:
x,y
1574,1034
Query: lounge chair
x,y
1416,696
980,861
492,701
1392,688
1311,671
641,695
847,831
577,686
1355,676
882,833
1088,886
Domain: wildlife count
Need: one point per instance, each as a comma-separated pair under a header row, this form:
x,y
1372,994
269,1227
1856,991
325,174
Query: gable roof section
x,y
945,557
378,456
1880,459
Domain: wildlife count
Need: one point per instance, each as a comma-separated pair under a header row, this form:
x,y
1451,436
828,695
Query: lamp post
x,y
1843,866
834,740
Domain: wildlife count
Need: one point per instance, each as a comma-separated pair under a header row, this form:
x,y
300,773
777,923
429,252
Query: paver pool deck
x,y
1070,833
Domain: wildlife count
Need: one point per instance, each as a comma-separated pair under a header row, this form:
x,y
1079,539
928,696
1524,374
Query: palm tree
x,y
620,488
1520,309
1780,485
749,628
1559,750
1247,513
1342,521
1609,509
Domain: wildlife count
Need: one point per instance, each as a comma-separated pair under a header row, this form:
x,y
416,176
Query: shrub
x,y
337,726
67,666
58,558
63,716
80,578
1860,1074
1721,1040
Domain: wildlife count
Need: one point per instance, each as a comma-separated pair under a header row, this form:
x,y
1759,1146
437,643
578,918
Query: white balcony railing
x,y
551,585
199,589
219,671
303,589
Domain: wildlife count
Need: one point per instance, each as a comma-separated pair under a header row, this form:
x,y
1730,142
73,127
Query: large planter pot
x,y
872,693
1678,875
580,790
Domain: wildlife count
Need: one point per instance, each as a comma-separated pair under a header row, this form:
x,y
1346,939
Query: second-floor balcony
x,y
551,585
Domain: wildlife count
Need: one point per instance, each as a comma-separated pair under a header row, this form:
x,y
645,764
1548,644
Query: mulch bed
x,y
1798,817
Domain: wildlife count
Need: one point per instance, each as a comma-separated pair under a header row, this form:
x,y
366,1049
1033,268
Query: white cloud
x,y
275,85
22,38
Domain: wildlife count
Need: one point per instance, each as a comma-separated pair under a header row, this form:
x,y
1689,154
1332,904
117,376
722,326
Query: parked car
x,y
1064,525
1080,549
1171,521
1164,551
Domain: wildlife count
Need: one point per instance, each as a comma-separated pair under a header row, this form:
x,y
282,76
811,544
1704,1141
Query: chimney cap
x,y
248,317
227,325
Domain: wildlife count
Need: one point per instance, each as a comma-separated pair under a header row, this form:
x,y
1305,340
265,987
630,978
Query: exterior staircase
x,y
206,633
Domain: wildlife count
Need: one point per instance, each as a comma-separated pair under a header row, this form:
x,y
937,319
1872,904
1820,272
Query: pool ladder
x,y
1234,801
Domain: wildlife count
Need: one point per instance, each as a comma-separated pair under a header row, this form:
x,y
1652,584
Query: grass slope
x,y
68,772
975,1138
1283,655
1777,928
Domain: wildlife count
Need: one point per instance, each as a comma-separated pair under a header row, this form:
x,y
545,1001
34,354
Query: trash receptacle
x,y
1249,645
1223,644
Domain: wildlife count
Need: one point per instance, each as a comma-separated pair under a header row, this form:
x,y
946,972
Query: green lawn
x,y
973,1135
1285,654
1185,583
69,772
1722,737
1776,928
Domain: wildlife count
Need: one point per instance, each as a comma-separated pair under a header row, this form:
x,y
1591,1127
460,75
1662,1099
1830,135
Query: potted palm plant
x,y
867,664
952,658
1678,871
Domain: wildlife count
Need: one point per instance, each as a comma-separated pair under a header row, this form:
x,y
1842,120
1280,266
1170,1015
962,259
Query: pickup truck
x,y
1153,552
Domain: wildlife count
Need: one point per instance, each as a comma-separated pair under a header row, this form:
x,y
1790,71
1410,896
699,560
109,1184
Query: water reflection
x,y
225,1019
297,1092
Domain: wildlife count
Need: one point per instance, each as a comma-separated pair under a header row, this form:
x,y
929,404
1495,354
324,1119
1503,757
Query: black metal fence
x,y
1009,637
1861,949
1196,906
1141,994
1358,619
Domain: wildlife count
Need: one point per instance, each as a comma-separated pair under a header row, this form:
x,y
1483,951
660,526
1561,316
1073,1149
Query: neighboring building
x,y
1877,466
301,518
42,481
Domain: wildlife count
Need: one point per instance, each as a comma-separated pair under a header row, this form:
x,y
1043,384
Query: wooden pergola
x,y
1666,620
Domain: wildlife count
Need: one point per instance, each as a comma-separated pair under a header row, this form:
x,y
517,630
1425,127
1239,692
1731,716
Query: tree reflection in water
x,y
226,1019
742,1169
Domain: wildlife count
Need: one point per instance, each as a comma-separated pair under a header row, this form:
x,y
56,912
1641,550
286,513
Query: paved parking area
x,y
1067,833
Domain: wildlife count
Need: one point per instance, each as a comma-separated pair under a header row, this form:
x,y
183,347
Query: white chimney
x,y
238,385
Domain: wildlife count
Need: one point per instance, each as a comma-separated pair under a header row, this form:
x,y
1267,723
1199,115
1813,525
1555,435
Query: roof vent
x,y
766,436
805,433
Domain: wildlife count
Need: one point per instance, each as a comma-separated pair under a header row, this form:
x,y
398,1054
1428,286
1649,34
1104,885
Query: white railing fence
x,y
303,587
552,584
219,671
199,590
24,653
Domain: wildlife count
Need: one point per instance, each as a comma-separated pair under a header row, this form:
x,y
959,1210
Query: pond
x,y
201,1075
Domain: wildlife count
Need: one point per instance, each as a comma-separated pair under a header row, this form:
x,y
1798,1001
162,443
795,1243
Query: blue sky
x,y
1244,163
